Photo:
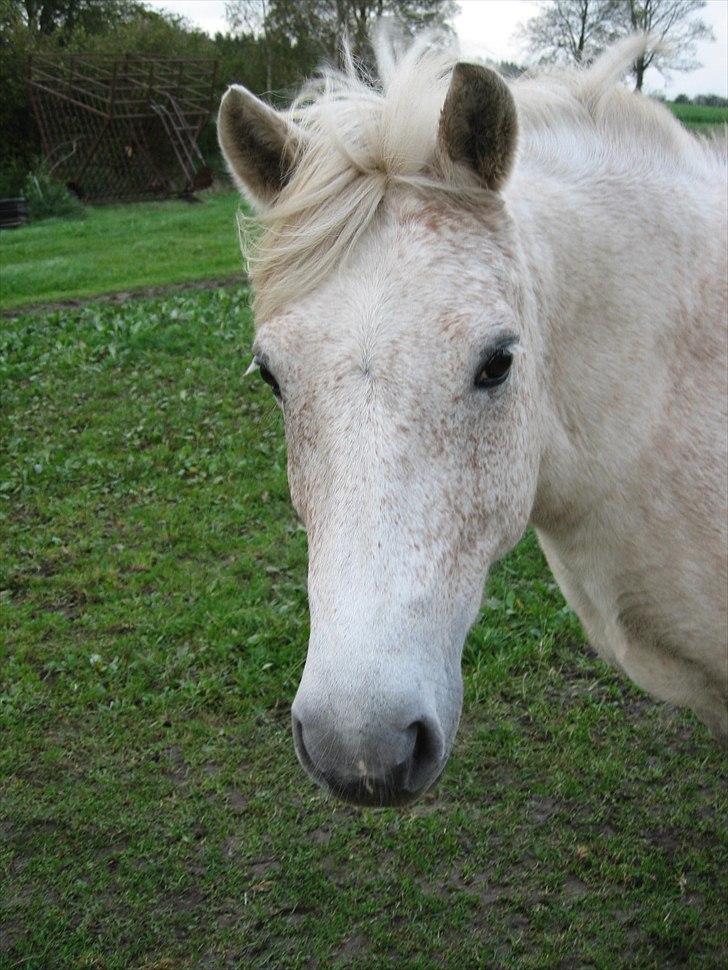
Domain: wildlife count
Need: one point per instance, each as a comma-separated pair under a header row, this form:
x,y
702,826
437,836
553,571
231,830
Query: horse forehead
x,y
395,291
402,288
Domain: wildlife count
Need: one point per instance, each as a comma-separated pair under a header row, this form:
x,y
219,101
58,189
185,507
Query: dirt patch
x,y
123,296
174,765
541,809
352,948
236,801
262,868
574,888
11,933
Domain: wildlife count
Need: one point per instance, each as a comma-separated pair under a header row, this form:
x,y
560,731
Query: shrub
x,y
48,199
710,101
13,172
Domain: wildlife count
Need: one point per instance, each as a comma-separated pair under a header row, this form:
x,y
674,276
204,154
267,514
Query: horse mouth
x,y
373,792
367,791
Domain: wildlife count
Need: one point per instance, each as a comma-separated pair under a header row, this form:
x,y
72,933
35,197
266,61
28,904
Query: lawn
x,y
699,117
120,247
152,594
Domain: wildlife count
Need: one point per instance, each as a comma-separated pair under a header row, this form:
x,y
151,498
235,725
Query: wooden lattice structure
x,y
126,127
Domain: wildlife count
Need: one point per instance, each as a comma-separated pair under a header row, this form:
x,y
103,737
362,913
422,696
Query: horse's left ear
x,y
478,124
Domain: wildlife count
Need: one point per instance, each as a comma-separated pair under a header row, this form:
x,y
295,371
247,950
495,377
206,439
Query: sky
x,y
487,28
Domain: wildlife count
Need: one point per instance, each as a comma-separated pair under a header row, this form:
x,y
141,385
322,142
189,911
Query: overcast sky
x,y
486,28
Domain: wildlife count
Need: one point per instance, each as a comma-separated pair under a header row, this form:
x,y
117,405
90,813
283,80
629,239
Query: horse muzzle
x,y
377,764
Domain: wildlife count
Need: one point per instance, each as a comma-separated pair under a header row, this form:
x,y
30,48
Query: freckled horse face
x,y
444,313
412,464
398,339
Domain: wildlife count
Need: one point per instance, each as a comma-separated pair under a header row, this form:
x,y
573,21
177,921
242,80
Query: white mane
x,y
357,139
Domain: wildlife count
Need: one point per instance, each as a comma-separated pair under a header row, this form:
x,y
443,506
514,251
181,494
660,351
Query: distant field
x,y
120,247
698,117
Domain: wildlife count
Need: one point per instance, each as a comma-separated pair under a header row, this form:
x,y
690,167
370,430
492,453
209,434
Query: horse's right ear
x,y
258,143
478,124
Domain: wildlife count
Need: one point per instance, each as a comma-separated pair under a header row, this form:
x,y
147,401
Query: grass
x,y
697,117
121,247
154,630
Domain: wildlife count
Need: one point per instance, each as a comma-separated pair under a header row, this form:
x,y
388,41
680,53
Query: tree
x,y
314,29
672,24
569,31
509,69
252,18
710,101
49,17
577,30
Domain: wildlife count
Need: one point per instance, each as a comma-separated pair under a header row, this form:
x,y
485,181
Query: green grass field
x,y
121,247
698,117
154,627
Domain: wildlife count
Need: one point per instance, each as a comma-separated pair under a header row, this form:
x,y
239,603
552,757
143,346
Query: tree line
x,y
272,45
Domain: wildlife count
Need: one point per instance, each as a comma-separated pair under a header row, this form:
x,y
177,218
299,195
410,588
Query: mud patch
x,y
352,948
123,296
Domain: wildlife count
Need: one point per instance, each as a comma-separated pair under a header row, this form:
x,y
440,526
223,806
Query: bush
x,y
13,173
48,199
710,101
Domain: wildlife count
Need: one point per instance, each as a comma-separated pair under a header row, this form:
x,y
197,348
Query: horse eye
x,y
495,369
270,380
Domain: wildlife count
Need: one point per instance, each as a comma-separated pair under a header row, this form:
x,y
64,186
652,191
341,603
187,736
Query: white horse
x,y
481,306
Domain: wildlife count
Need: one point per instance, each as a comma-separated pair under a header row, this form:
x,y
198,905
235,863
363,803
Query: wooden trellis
x,y
126,127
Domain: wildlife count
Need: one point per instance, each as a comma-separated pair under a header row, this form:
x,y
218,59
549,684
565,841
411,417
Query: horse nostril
x,y
300,744
426,752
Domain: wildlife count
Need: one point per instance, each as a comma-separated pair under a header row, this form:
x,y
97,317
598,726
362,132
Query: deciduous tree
x,y
569,31
577,30
315,29
48,17
675,28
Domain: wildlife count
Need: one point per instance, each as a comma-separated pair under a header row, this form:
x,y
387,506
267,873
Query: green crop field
x,y
154,628
698,117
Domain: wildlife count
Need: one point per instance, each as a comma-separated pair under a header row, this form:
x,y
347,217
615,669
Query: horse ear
x,y
258,143
478,124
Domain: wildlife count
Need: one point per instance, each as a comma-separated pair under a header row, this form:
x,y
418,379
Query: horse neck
x,y
610,262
